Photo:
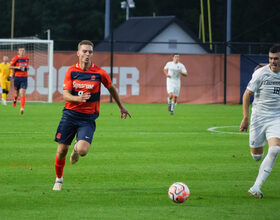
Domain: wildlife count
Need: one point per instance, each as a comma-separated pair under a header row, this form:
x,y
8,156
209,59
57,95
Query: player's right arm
x,y
68,87
165,70
74,98
246,103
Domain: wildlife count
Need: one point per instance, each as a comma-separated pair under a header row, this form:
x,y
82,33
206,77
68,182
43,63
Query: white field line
x,y
215,129
24,132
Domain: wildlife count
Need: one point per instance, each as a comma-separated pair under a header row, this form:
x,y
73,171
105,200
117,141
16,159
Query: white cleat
x,y
58,184
21,111
256,192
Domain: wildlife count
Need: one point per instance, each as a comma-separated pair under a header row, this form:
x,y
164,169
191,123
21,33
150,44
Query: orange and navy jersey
x,y
22,62
79,81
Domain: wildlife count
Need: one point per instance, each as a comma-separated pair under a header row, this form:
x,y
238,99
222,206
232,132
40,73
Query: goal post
x,y
41,78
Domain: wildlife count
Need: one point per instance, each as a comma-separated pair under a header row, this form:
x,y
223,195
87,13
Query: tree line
x,y
71,21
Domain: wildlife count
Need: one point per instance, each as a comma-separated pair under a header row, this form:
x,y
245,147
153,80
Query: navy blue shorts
x,y
20,83
74,123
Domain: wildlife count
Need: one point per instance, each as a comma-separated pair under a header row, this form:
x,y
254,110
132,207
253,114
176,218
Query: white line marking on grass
x,y
25,132
215,129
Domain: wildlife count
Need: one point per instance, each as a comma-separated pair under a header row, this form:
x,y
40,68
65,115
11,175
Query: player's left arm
x,y
183,71
116,97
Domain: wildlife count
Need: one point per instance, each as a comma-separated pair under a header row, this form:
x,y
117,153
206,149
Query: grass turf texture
x,y
131,165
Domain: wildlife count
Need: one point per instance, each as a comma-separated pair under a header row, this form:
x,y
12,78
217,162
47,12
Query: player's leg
x,y
4,92
257,152
17,87
268,162
169,89
4,96
81,148
176,90
169,100
174,102
257,140
22,92
60,157
23,87
84,138
65,134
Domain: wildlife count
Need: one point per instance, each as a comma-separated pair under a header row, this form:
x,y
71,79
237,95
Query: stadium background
x,y
139,77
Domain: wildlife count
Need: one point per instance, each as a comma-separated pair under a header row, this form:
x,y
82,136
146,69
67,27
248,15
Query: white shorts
x,y
261,130
173,87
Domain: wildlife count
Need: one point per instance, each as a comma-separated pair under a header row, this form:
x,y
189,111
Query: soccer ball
x,y
179,192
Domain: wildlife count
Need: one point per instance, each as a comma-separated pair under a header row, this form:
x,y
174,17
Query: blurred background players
x,y
20,65
5,77
81,91
265,117
173,71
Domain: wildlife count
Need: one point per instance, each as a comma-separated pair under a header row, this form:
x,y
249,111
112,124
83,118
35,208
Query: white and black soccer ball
x,y
179,192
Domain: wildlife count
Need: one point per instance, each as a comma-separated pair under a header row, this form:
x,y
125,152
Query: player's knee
x,y
61,152
82,152
273,151
257,157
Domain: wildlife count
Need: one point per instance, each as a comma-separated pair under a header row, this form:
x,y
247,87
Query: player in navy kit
x,y
81,91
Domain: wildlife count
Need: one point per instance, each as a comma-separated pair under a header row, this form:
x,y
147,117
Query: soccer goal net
x,y
41,82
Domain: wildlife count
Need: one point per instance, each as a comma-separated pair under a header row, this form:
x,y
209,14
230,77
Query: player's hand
x,y
124,113
244,124
84,97
22,68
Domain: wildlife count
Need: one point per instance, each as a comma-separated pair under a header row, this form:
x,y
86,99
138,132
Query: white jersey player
x,y
173,71
265,117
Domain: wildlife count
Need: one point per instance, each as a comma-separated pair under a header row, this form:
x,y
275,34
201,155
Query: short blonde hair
x,y
85,42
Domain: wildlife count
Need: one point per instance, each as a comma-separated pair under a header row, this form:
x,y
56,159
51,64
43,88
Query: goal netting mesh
x,y
41,83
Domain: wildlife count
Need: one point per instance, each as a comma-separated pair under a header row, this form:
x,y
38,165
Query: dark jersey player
x,y
81,91
20,65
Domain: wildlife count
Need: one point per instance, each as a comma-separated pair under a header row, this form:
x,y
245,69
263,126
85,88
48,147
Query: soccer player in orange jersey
x,y
20,65
81,91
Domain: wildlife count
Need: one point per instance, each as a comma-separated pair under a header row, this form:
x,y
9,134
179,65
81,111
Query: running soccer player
x,y
265,117
81,91
5,77
173,71
20,65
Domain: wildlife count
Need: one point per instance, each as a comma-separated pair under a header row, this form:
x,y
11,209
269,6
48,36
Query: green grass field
x,y
131,165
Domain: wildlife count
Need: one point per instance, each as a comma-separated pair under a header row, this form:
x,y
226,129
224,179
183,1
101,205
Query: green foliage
x,y
71,21
131,165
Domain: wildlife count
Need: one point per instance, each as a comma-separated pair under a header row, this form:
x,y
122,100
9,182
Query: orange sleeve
x,y
13,61
105,79
67,85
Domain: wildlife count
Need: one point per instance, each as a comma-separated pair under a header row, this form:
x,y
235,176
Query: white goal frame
x,y
50,59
